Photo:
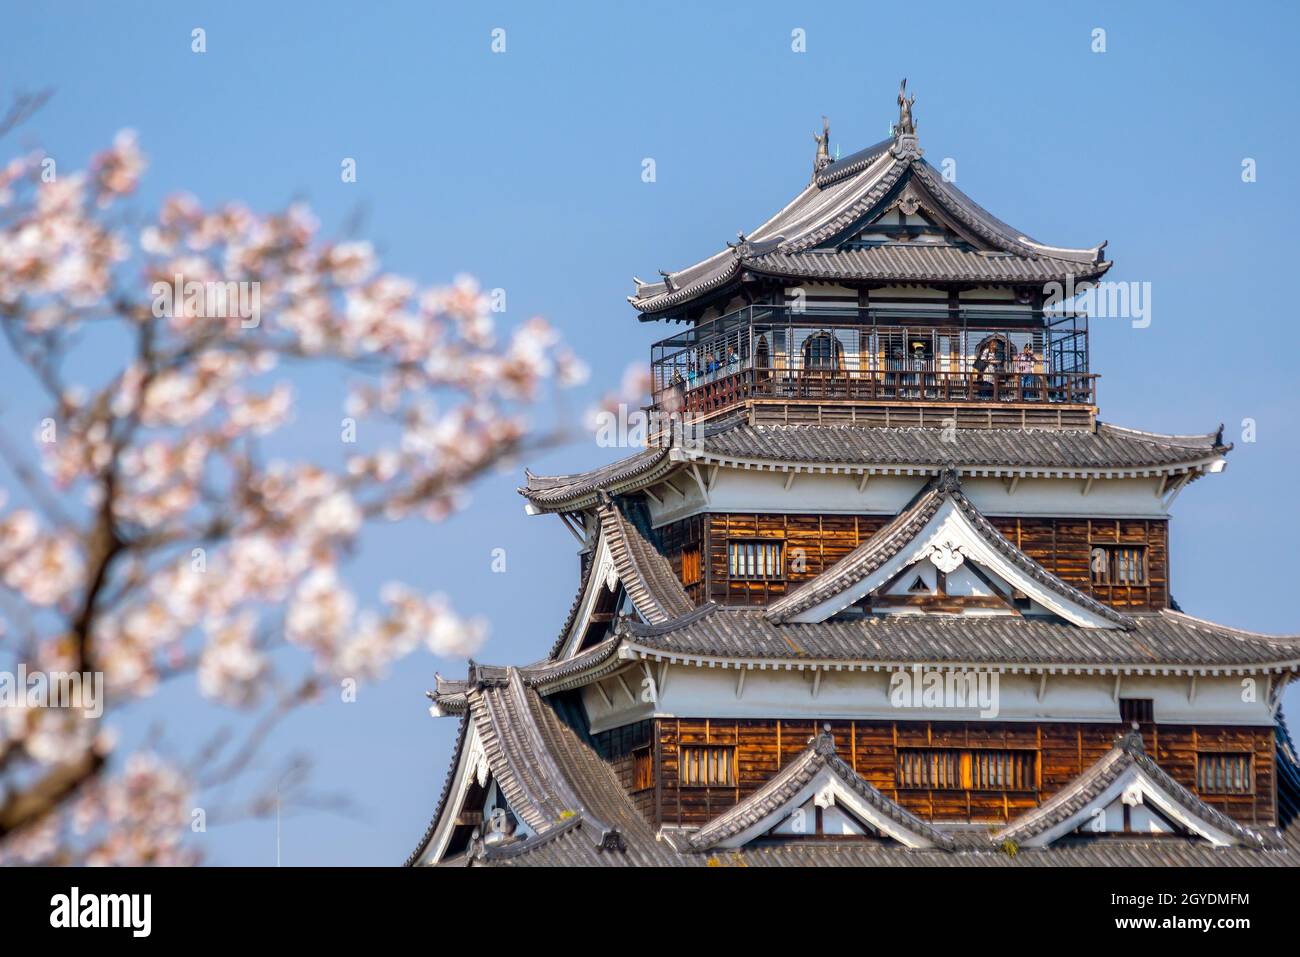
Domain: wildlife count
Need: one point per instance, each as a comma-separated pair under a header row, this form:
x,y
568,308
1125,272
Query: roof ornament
x,y
906,145
823,142
668,281
823,742
906,125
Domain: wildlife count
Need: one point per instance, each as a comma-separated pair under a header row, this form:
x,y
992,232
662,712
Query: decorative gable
x,y
817,794
965,563
1127,793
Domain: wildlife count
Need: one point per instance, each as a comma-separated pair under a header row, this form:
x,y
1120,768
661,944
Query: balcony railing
x,y
879,354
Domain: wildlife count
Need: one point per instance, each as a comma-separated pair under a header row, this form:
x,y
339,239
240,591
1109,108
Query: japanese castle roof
x,y
579,814
1108,451
1164,642
882,547
808,237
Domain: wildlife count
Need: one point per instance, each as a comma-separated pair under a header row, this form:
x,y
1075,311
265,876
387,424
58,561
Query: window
x,y
928,768
821,351
691,574
1224,773
1002,770
1141,710
1119,565
707,766
643,769
759,560
975,770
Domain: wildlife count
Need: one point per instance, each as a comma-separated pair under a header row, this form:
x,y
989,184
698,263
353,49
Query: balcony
x,y
874,356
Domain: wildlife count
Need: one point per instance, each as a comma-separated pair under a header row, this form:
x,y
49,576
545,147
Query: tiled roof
x,y
876,551
1157,640
646,574
917,262
1109,447
1127,753
850,190
581,489
1107,450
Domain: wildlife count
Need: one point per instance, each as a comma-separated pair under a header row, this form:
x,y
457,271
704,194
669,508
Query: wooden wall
x,y
618,747
1065,751
1063,546
815,542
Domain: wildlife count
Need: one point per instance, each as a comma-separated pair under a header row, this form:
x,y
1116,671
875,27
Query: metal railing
x,y
881,353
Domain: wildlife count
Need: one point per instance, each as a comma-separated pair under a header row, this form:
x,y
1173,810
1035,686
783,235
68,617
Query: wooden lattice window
x,y
755,559
929,768
973,770
1224,773
1002,770
1119,564
712,765
692,571
643,769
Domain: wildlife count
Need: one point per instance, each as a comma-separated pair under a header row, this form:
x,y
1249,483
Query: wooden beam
x,y
1178,487
573,527
1087,486
626,687
817,682
1114,695
713,476
1191,689
604,694
862,482
651,492
1042,685
789,479
740,682
1011,485
699,480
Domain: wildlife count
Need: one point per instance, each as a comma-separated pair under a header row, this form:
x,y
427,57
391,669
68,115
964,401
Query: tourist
x,y
1025,366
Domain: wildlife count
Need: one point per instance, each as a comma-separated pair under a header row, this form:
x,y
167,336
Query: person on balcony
x,y
733,359
1025,366
986,369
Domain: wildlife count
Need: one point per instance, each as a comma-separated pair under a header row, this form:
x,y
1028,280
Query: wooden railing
x,y
724,388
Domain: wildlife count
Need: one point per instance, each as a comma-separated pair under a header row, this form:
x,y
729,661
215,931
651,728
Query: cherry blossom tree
x,y
146,535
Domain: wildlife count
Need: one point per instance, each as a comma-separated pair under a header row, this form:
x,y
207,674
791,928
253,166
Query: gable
x,y
985,580
1135,803
909,213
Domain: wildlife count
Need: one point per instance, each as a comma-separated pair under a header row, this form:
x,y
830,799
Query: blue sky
x,y
523,168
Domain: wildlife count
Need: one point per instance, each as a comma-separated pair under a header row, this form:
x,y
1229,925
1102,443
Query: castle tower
x,y
882,588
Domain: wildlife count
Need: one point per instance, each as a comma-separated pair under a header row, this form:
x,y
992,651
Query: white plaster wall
x,y
711,693
755,490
